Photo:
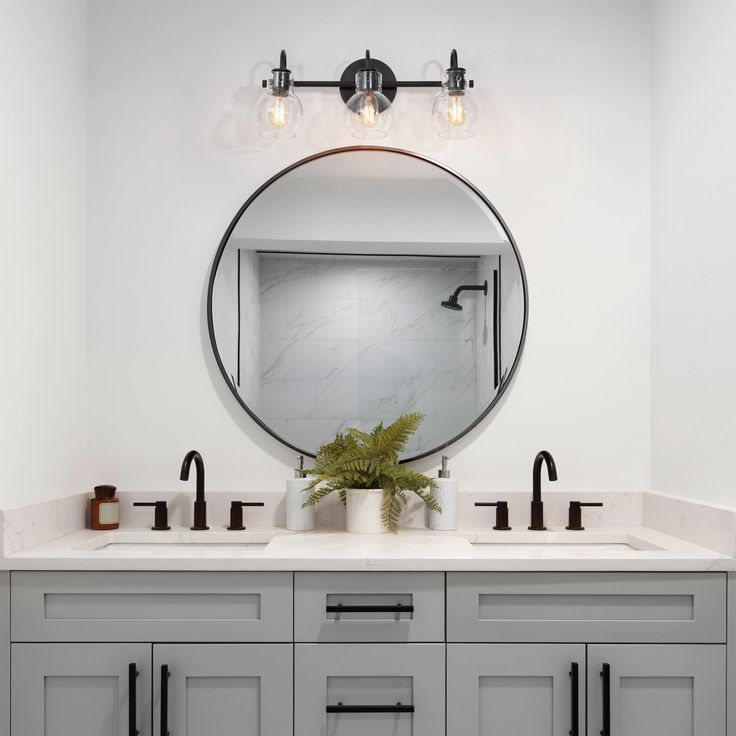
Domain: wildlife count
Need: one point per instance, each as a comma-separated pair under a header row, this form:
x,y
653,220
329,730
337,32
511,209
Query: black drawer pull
x,y
574,703
398,608
606,675
165,674
132,699
398,708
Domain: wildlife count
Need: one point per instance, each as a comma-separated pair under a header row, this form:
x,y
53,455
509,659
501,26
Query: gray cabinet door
x,y
656,690
80,689
223,689
369,690
515,689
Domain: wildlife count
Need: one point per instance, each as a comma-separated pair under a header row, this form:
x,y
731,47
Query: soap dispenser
x,y
298,518
446,496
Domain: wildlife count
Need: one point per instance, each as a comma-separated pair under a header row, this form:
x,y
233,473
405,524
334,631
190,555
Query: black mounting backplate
x,y
348,77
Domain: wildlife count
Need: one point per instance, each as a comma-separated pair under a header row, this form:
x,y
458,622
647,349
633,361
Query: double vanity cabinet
x,y
98,653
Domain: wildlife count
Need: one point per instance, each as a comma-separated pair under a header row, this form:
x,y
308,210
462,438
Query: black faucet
x,y
200,505
537,505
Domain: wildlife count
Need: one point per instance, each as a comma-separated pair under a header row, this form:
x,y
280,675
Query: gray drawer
x,y
354,677
151,606
586,607
355,607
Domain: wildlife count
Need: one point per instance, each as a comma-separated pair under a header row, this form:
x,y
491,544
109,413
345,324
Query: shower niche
x,y
362,284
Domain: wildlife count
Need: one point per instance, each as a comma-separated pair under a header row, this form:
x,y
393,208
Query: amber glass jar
x,y
105,511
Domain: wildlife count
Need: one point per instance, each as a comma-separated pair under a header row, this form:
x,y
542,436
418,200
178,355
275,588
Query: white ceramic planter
x,y
364,510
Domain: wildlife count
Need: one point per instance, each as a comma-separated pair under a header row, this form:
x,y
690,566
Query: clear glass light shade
x,y
368,113
279,114
455,114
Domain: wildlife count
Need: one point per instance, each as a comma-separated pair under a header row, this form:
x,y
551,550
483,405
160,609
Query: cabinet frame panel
x,y
4,654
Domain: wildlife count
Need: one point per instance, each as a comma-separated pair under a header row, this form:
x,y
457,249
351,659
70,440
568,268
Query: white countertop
x,y
608,549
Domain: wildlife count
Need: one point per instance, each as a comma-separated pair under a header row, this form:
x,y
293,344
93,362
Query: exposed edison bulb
x,y
368,113
368,110
456,112
279,112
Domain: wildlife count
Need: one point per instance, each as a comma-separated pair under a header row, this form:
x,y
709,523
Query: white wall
x,y
43,237
563,152
694,249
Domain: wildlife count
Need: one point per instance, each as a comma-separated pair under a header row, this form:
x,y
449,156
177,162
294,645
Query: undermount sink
x,y
567,542
134,543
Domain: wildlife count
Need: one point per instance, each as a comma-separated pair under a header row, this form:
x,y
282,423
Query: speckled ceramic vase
x,y
364,510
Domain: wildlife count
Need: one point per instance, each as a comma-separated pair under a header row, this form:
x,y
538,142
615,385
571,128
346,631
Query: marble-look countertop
x,y
601,549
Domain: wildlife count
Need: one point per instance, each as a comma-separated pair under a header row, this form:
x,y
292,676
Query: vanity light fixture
x,y
279,109
368,86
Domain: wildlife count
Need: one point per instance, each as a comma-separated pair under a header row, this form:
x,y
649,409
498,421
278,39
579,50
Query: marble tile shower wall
x,y
353,341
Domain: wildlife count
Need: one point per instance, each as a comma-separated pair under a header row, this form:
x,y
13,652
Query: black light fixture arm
x,y
347,80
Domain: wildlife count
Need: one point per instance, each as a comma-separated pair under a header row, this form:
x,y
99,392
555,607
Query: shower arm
x,y
470,287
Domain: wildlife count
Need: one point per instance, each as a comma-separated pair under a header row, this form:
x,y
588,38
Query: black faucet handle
x,y
575,520
236,514
160,515
502,514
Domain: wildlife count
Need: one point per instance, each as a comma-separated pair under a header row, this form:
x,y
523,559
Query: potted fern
x,y
364,468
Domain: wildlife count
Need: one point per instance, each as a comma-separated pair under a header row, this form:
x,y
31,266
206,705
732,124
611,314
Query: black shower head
x,y
452,302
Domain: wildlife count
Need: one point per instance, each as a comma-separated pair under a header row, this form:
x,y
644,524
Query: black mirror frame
x,y
346,149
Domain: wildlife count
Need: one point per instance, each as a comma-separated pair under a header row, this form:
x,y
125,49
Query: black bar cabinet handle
x,y
165,700
606,675
398,608
132,699
574,685
398,708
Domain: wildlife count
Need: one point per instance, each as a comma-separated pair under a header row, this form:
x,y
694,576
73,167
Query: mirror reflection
x,y
361,285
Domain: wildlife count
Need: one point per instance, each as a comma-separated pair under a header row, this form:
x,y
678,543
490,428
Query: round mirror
x,y
362,284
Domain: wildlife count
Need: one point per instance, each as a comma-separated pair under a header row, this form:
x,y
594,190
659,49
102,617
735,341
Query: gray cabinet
x,y
656,690
81,689
376,689
213,654
515,689
223,689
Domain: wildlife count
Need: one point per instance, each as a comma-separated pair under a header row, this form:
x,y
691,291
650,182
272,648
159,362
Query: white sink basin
x,y
560,547
171,543
565,542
